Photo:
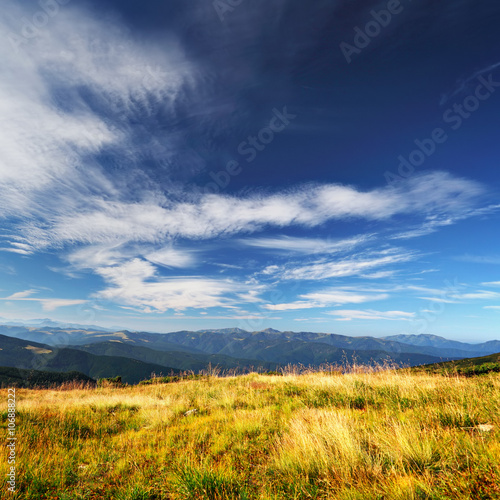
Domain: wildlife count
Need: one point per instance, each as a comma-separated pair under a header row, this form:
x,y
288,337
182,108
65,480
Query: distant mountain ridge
x,y
425,340
135,355
237,348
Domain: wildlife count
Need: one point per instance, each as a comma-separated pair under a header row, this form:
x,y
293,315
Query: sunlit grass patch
x,y
379,435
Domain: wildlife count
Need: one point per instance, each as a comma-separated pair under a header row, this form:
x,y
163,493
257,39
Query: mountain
x,y
236,348
490,347
245,350
249,344
224,341
71,337
29,355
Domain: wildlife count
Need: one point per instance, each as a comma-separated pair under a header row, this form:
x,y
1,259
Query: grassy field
x,y
382,435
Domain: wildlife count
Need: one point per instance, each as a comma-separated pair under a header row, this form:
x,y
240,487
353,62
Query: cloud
x,y
170,257
348,315
463,84
67,96
306,246
212,215
479,259
137,283
325,298
47,304
435,222
379,275
491,283
351,266
439,299
21,295
479,295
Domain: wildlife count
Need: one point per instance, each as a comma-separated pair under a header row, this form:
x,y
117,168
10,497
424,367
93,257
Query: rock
x,y
485,427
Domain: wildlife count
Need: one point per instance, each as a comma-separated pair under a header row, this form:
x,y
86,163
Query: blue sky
x,y
324,166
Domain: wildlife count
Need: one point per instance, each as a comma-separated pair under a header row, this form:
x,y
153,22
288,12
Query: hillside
x,y
469,366
180,360
15,377
32,355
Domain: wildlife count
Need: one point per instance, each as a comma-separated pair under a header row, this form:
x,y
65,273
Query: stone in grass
x,y
485,427
191,412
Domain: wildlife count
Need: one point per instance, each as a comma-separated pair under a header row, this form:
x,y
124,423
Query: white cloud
x,y
348,315
491,283
379,275
479,259
325,298
439,299
352,266
307,246
215,215
21,295
52,304
479,295
47,304
51,133
170,257
137,283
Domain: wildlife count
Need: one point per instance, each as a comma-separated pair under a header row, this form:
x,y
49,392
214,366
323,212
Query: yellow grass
x,y
382,435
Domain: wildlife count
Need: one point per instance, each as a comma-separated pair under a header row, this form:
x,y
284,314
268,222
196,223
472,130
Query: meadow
x,y
369,434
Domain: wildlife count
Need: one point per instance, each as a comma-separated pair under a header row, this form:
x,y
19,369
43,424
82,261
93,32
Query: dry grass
x,y
377,435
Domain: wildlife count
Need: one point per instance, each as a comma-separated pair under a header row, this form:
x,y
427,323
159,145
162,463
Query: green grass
x,y
381,435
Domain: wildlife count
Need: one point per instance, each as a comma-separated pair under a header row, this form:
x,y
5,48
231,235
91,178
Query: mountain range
x,y
135,355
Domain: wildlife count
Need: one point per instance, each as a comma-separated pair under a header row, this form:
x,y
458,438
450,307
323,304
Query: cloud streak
x,y
349,315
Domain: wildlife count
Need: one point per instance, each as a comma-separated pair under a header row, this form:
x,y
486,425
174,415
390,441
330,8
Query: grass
x,y
375,435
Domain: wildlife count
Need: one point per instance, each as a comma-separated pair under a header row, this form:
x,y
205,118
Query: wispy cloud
x,y
47,304
308,246
348,315
464,83
479,259
349,266
21,295
439,299
211,216
326,298
137,283
60,109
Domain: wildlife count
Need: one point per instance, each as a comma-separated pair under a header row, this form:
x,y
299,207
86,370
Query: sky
x,y
328,166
